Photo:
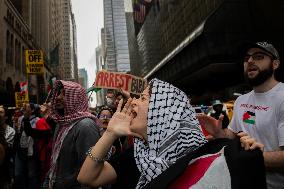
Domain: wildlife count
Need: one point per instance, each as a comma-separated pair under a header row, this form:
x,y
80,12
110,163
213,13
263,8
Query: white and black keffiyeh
x,y
173,131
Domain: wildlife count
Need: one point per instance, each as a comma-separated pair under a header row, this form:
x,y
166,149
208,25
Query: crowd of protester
x,y
155,140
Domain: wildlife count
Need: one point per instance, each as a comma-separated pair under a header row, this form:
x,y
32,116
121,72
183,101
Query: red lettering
x,y
111,82
105,79
117,80
121,83
99,79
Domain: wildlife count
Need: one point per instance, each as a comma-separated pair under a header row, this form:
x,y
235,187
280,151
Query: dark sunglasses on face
x,y
105,116
256,56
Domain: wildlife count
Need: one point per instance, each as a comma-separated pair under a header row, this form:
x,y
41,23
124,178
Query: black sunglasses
x,y
256,56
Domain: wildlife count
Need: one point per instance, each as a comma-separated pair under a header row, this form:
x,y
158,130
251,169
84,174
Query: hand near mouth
x,y
119,125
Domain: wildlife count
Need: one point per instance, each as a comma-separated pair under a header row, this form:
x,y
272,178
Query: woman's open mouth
x,y
105,122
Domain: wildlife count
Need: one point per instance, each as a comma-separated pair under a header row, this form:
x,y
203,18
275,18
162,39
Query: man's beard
x,y
261,77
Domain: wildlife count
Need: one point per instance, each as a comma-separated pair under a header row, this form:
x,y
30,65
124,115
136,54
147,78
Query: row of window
x,y
14,23
15,53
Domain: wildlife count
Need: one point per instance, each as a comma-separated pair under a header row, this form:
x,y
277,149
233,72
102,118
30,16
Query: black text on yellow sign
x,y
34,61
35,68
21,99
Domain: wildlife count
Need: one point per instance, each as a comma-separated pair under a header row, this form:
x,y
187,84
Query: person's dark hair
x,y
2,137
4,108
104,107
8,115
150,88
150,85
117,94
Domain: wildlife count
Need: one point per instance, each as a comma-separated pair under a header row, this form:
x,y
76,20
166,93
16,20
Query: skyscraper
x,y
74,47
63,37
99,66
116,42
134,56
83,77
40,23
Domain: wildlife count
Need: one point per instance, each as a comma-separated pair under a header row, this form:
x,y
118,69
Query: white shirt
x,y
261,115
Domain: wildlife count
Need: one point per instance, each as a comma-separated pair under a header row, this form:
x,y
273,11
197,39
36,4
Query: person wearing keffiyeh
x,y
76,131
165,127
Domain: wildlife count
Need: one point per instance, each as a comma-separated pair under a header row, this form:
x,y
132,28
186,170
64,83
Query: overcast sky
x,y
89,21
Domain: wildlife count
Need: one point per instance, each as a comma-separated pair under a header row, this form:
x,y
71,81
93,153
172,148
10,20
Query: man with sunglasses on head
x,y
258,117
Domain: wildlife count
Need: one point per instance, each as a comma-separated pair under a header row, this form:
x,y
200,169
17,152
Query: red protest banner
x,y
116,80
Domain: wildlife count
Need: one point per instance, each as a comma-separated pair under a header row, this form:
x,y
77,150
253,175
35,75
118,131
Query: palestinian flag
x,y
221,163
202,172
249,117
51,83
24,87
93,89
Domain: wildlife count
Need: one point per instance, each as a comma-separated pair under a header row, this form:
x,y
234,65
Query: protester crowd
x,y
155,140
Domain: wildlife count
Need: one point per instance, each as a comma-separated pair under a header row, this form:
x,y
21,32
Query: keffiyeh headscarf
x,y
76,108
172,129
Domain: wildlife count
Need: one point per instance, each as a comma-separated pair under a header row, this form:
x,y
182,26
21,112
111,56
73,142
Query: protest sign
x,y
34,61
116,80
21,98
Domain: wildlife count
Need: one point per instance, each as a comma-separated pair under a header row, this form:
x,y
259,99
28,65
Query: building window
x,y
17,55
12,52
23,61
8,57
9,48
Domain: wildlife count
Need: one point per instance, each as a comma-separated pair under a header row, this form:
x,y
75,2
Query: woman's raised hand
x,y
119,125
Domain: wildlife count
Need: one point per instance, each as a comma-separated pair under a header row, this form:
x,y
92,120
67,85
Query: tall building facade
x,y
63,37
134,56
19,32
195,44
103,48
99,66
115,31
40,24
74,47
83,77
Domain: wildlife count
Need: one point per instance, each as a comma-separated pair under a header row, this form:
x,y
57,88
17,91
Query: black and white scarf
x,y
173,131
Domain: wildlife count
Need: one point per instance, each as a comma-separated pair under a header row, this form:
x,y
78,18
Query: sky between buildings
x,y
89,21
